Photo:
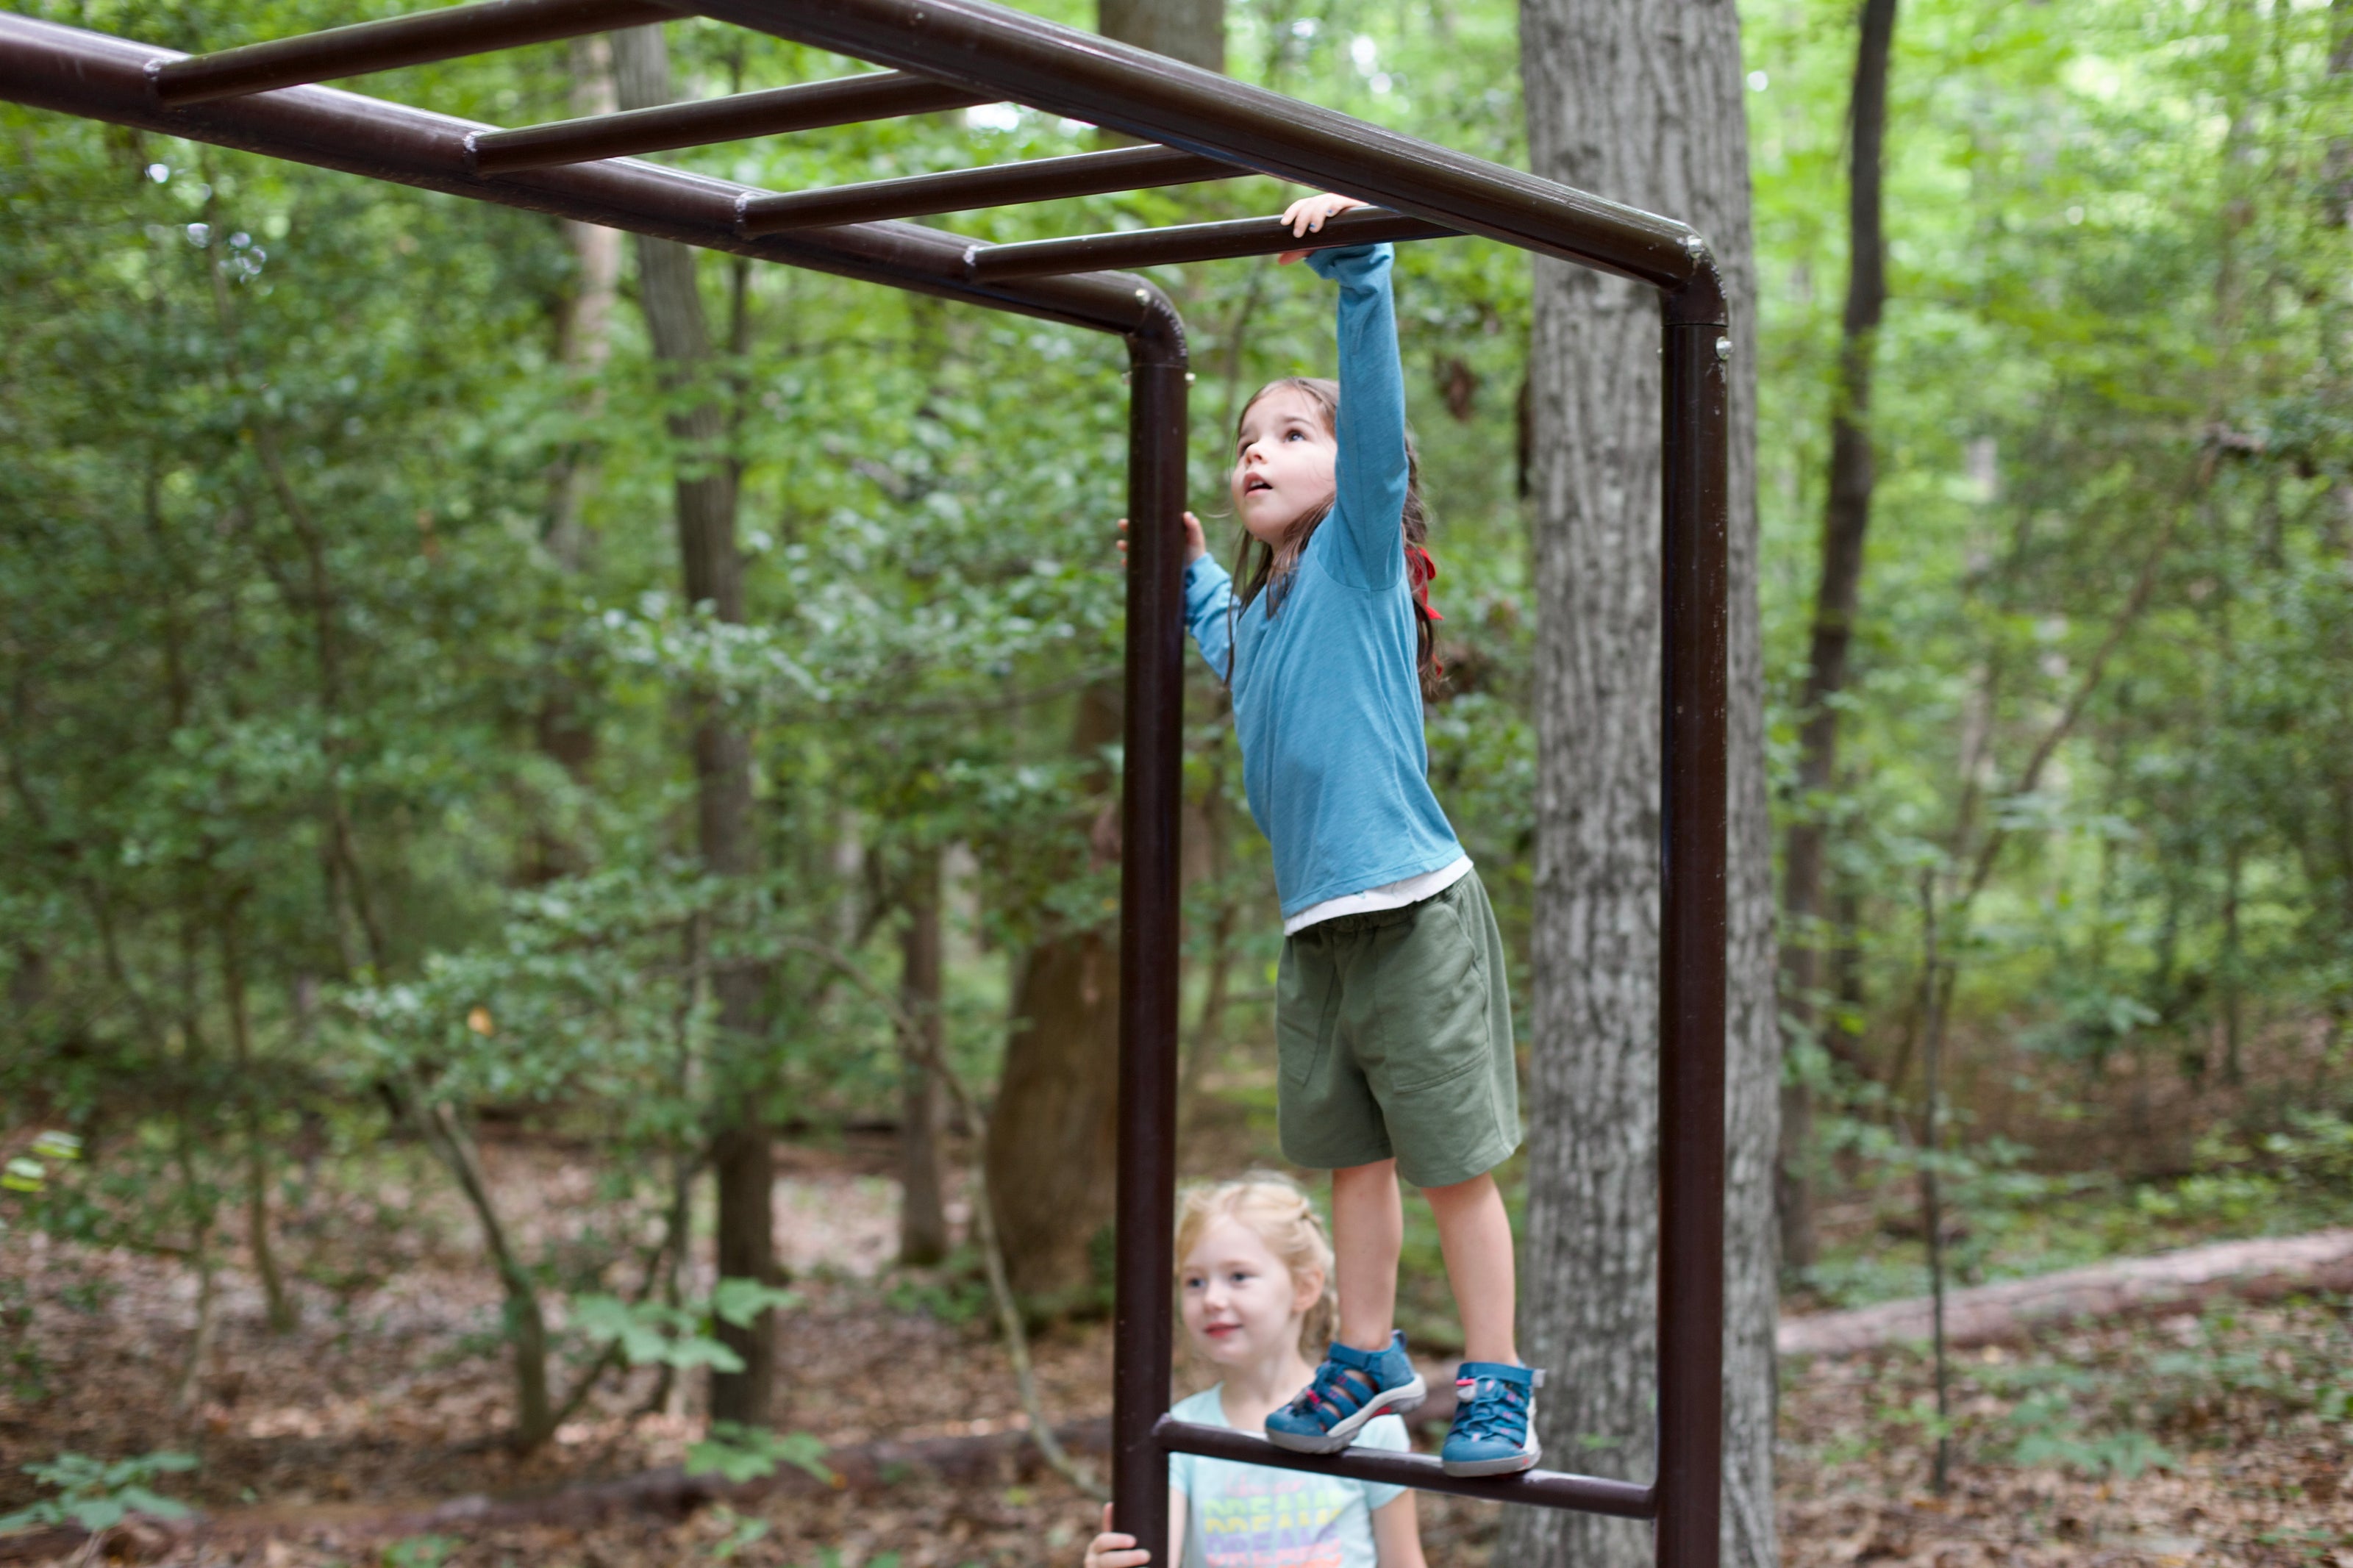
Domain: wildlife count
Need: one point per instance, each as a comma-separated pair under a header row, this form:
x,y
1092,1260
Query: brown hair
x,y
1271,568
1278,1212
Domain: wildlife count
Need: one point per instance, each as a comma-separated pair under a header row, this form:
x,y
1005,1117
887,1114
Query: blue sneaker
x,y
1351,1387
1494,1420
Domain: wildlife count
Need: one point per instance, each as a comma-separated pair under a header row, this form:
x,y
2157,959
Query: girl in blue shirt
x,y
1392,1015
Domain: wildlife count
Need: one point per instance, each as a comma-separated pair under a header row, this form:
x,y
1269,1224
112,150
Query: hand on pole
x,y
1195,545
1306,215
1112,1549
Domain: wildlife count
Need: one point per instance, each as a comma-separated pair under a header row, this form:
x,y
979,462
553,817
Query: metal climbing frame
x,y
949,53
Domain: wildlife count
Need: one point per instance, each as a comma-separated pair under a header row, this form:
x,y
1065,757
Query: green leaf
x,y
40,1516
95,1514
738,1301
741,1453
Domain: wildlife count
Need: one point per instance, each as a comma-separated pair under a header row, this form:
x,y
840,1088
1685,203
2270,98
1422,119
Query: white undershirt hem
x,y
1388,896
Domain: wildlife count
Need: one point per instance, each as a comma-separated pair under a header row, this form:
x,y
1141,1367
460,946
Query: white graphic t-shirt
x,y
1251,1516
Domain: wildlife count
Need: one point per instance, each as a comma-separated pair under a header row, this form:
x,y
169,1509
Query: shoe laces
x,y
1491,1407
1316,1401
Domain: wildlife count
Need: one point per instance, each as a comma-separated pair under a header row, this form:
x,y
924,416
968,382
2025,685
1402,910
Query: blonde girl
x,y
1254,1276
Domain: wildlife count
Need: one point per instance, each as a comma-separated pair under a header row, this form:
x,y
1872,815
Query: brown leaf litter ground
x,y
2224,1439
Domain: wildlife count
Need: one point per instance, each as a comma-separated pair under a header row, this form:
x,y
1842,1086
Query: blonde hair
x,y
1279,1214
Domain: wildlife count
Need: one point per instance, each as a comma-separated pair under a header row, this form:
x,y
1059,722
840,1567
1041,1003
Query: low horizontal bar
x,y
879,95
367,46
968,190
1538,1488
1192,242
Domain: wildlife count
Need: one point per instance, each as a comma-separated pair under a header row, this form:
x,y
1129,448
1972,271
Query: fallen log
x,y
2015,1309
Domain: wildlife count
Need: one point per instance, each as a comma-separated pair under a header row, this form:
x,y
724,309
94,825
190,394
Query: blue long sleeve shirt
x,y
1327,698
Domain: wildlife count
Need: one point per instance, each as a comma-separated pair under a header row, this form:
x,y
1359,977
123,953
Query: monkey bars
x,y
950,54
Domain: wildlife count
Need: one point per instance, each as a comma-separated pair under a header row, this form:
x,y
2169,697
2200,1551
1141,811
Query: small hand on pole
x,y
1306,215
1195,547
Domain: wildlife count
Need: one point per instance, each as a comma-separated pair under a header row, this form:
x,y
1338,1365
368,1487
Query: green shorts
x,y
1395,1033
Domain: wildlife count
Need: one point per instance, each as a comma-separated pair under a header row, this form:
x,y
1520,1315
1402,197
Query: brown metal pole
x,y
1151,795
1534,1488
1085,77
49,66
366,47
1695,432
1189,242
879,95
969,190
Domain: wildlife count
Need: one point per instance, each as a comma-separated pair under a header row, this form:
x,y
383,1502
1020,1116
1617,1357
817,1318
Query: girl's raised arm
x,y
1370,478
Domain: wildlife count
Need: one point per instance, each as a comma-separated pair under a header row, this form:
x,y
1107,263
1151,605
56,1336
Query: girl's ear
x,y
1306,1290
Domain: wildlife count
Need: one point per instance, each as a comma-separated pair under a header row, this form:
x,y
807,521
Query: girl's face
x,y
1241,1305
1283,461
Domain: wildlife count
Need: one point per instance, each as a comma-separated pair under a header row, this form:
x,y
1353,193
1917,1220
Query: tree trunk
x,y
1051,1140
1845,518
1643,103
922,1214
583,330
279,1306
1193,31
743,1162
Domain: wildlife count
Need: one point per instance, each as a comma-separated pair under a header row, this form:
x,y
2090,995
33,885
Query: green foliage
x,y
419,1552
2052,1430
740,1533
739,1302
99,1494
653,1333
954,1292
740,1452
30,1172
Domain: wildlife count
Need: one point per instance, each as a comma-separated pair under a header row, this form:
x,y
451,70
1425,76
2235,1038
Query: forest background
x,y
390,839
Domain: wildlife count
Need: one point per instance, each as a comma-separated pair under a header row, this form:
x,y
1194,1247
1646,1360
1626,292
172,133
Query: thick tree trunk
x,y
923,1215
742,1161
1845,520
1193,31
1051,1139
1643,103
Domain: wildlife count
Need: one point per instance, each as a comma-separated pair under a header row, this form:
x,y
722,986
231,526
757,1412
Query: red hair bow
x,y
1421,571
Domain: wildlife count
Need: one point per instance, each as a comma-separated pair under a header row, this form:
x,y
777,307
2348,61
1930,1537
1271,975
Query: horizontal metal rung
x,y
1543,1489
1192,242
880,95
968,190
397,41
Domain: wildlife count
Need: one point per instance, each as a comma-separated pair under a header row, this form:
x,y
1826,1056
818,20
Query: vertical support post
x,y
1696,437
1151,795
